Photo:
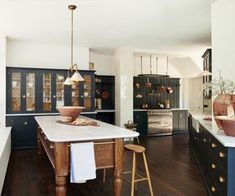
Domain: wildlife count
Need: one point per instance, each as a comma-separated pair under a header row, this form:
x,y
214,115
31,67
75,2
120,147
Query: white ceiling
x,y
158,25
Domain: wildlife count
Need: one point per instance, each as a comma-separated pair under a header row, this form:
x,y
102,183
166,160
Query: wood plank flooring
x,y
172,168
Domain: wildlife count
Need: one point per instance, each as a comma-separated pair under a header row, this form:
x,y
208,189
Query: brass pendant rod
x,y
71,38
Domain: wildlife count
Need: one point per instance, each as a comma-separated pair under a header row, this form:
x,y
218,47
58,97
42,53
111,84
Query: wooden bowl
x,y
228,124
71,111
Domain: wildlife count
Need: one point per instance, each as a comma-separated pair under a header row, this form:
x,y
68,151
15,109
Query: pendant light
x,y
76,76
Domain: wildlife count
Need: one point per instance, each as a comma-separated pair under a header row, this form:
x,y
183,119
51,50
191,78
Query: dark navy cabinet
x,y
105,98
141,119
33,91
216,162
23,134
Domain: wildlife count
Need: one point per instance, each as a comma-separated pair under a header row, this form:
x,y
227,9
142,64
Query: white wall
x,y
103,63
223,38
3,79
192,95
27,54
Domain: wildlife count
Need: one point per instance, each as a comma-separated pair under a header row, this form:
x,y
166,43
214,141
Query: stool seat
x,y
135,148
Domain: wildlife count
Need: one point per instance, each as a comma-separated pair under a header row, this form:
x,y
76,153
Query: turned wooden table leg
x,y
118,168
61,151
40,148
61,187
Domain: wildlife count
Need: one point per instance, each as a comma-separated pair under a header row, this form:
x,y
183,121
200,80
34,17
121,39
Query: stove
x,y
160,122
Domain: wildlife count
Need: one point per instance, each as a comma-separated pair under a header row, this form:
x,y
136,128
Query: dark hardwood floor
x,y
171,164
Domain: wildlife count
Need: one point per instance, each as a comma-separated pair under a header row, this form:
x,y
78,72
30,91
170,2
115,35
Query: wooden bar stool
x,y
141,150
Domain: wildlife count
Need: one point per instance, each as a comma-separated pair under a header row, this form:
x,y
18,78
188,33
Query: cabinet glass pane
x,y
16,92
87,92
59,90
30,91
46,92
75,95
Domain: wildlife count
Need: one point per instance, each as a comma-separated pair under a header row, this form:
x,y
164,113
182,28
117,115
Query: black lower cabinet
x,y
216,162
141,119
23,133
108,117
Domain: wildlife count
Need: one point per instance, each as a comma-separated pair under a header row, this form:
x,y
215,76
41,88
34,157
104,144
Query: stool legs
x,y
147,173
133,174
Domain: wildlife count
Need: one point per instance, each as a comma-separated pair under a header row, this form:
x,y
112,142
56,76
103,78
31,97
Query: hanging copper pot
x,y
169,90
148,84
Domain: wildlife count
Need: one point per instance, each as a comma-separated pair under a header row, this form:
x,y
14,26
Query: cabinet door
x,y
14,93
88,91
175,120
140,118
183,120
23,133
46,91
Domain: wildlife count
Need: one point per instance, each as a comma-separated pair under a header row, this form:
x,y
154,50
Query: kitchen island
x,y
55,139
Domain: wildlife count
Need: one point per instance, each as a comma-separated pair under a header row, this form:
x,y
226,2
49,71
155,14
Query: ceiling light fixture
x,y
76,77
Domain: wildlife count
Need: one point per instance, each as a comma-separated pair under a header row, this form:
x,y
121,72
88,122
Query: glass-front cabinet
x,y
21,91
39,90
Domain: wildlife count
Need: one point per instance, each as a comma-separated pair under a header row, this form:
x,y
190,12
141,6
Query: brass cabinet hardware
x,y
221,179
213,189
221,155
51,146
213,166
213,145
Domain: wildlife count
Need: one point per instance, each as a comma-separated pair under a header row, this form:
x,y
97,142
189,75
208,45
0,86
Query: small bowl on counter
x,y
228,124
70,111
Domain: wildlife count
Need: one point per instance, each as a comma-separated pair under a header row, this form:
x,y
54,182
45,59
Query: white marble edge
x,y
176,109
103,111
57,132
211,126
44,114
4,133
140,110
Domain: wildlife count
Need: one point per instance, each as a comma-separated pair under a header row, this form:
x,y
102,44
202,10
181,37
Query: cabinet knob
x,y
25,123
24,96
54,96
221,179
221,155
51,146
213,145
194,137
213,189
204,140
213,166
82,96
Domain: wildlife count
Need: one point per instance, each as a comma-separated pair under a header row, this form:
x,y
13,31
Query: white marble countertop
x,y
211,126
103,111
4,133
58,132
140,110
44,114
175,109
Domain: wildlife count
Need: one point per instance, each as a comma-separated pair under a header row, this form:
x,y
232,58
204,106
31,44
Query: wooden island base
x,y
108,154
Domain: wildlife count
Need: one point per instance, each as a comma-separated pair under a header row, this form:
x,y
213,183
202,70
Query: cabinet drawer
x,y
217,150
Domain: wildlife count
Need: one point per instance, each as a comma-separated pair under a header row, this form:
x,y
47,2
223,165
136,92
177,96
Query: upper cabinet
x,y
105,92
42,90
207,66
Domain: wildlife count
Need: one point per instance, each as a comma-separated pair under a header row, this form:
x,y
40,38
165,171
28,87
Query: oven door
x,y
160,124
